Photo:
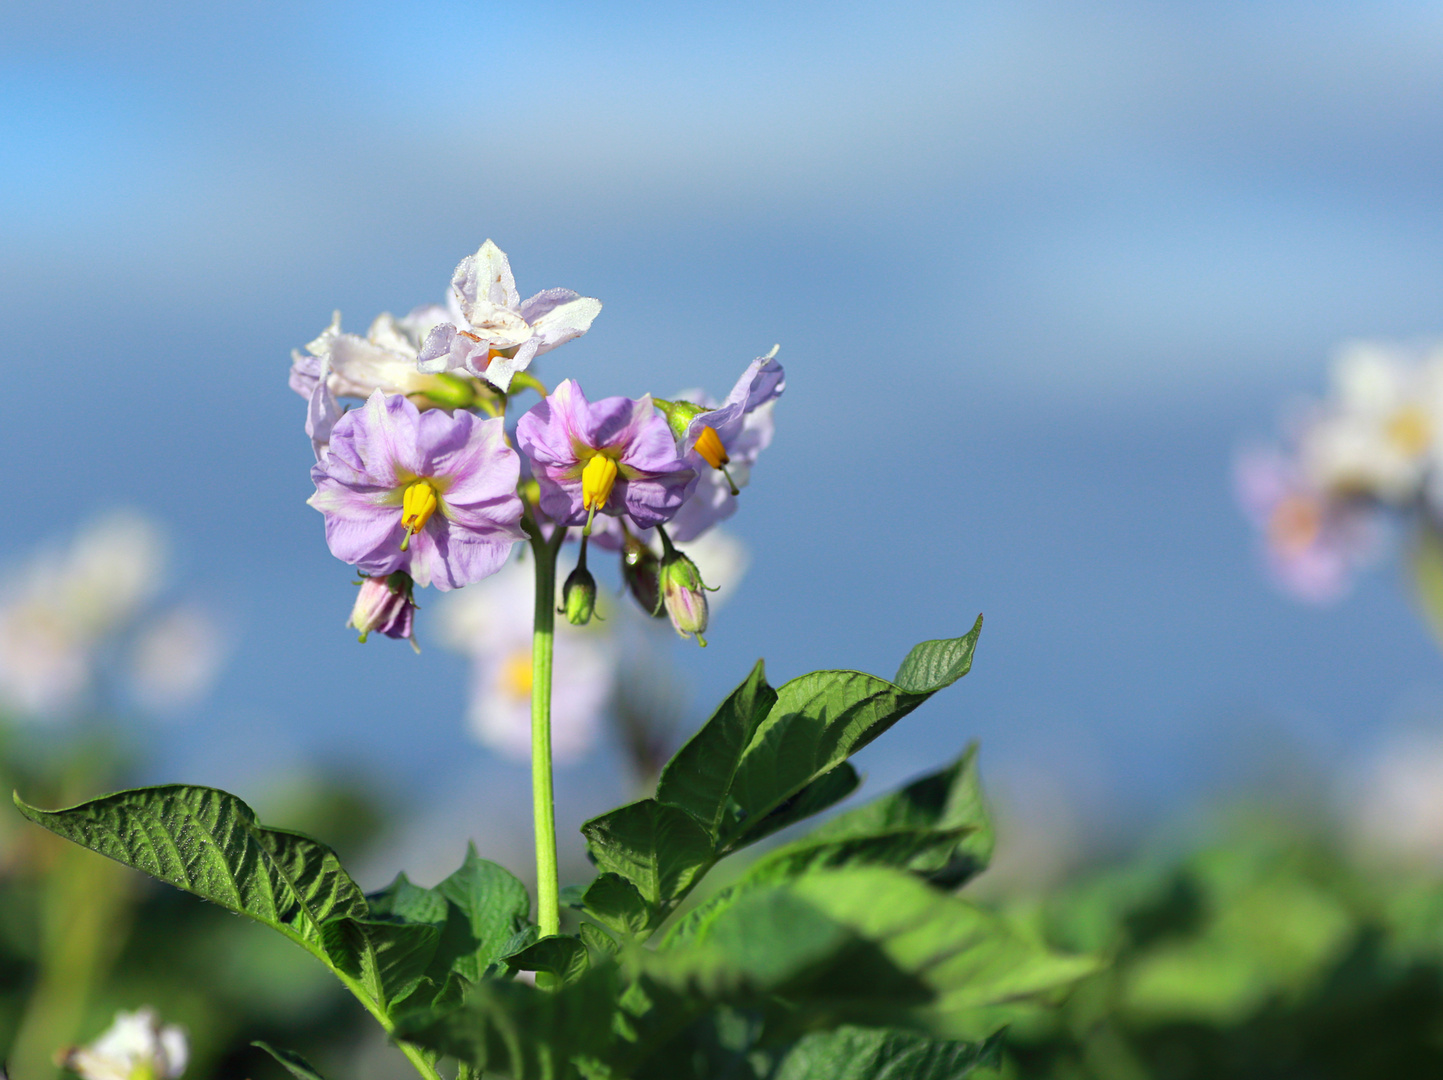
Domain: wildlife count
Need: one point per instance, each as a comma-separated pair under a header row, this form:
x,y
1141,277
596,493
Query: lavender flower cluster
x,y
427,482
1349,466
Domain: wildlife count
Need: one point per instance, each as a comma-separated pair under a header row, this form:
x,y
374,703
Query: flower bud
x,y
679,414
450,391
684,594
578,596
640,570
385,605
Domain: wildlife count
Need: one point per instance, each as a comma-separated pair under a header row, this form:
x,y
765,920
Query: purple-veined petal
x,y
363,525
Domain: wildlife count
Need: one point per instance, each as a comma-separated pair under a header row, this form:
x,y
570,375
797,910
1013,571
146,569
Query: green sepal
x,y
679,415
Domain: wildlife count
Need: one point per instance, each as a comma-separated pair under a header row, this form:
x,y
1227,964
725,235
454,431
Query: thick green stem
x,y
548,905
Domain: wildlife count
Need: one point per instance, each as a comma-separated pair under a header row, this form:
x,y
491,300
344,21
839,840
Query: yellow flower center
x,y
709,446
516,675
596,482
1410,430
417,505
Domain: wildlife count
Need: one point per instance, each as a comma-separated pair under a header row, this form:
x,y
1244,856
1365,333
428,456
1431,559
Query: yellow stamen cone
x,y
597,480
417,505
709,446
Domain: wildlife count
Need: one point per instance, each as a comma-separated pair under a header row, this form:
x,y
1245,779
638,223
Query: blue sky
x,y
1035,272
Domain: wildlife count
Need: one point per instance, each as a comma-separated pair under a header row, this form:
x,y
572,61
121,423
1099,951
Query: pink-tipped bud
x,y
384,605
684,594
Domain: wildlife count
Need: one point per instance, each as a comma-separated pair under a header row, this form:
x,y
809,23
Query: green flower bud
x,y
684,594
679,414
578,596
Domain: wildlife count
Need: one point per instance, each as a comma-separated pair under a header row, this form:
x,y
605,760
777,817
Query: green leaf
x,y
661,849
869,1053
208,842
936,826
406,902
598,941
933,665
870,945
615,903
561,955
522,1032
825,791
388,958
698,778
489,905
294,1064
821,719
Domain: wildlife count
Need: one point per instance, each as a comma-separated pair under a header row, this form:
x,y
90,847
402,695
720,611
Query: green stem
x,y
414,1053
548,905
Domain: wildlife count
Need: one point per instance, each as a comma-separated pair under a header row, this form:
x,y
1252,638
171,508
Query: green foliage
x,y
766,759
209,843
857,1053
1266,952
840,954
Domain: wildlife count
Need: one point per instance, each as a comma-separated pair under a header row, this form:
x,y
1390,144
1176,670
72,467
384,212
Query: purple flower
x,y
433,493
616,457
497,334
723,444
1314,542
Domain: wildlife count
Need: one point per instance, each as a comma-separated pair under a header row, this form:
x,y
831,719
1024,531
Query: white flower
x,y
176,659
497,333
55,610
1397,807
135,1047
1380,432
338,365
490,622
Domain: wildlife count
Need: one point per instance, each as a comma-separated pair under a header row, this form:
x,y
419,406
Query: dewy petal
x,y
558,324
419,322
485,276
650,446
534,307
760,384
500,370
437,351
360,366
499,327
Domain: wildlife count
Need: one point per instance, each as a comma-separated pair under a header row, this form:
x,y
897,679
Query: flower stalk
x,y
548,889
